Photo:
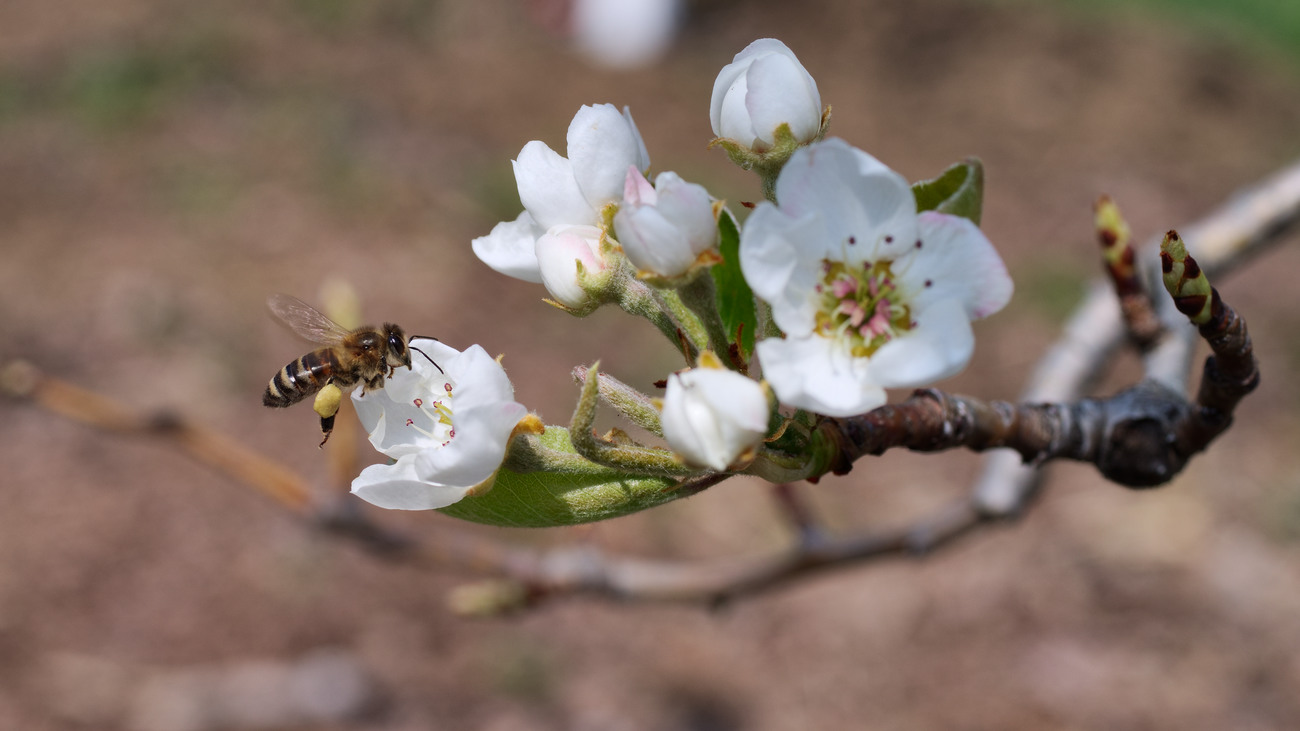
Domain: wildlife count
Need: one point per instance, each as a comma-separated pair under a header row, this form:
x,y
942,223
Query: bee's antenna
x,y
426,355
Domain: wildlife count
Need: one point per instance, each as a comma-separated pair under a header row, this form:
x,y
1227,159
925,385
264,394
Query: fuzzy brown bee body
x,y
365,356
313,371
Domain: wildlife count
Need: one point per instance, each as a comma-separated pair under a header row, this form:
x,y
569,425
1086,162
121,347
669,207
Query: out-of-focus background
x,y
164,166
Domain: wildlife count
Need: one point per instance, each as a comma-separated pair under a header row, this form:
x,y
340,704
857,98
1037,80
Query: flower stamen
x,y
860,306
439,414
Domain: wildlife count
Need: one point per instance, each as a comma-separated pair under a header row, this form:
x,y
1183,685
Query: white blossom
x,y
714,417
559,191
447,429
869,294
764,87
665,228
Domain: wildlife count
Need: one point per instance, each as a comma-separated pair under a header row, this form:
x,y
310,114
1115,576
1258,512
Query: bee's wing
x,y
305,320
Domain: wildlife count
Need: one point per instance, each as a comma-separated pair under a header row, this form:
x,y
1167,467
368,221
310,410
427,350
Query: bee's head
x,y
398,353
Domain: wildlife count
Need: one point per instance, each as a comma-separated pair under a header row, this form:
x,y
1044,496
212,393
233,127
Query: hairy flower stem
x,y
612,451
528,454
665,310
700,296
631,403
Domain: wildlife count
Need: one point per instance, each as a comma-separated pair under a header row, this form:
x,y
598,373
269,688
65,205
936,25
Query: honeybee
x,y
366,356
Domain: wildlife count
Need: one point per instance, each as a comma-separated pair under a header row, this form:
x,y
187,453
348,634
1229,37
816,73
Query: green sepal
x,y
585,492
735,299
958,191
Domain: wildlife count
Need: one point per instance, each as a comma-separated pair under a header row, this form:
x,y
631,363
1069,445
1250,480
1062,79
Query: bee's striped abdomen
x,y
301,378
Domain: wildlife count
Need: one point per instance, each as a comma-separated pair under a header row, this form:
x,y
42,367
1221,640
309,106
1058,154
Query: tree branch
x,y
1152,420
1251,221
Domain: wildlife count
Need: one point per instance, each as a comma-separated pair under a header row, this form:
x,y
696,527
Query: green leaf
x,y
958,191
735,299
586,493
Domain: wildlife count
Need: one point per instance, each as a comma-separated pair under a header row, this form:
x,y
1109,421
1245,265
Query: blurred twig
x,y
206,445
1251,221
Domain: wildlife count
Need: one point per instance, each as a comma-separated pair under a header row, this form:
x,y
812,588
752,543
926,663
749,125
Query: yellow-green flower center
x,y
860,306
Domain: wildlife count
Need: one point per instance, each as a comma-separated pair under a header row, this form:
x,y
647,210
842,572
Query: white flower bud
x,y
664,229
713,417
762,88
558,252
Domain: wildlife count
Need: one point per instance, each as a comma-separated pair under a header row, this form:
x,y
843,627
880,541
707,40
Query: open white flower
x,y
714,417
869,294
447,430
665,229
560,191
764,87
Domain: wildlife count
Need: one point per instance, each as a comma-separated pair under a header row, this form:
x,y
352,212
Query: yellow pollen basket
x,y
327,401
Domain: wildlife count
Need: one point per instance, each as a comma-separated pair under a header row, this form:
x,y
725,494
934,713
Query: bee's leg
x,y
326,407
326,428
375,383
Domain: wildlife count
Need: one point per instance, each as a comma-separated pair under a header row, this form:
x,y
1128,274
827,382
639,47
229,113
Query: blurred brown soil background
x,y
165,166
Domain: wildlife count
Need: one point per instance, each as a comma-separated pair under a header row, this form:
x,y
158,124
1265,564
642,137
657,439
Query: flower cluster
x,y
865,293
562,238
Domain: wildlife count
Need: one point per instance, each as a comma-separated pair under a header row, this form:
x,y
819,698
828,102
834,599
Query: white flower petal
x,y
511,248
653,243
939,346
397,487
474,454
868,210
781,91
637,191
479,378
778,270
725,90
735,122
548,188
602,144
642,161
957,261
690,208
811,373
